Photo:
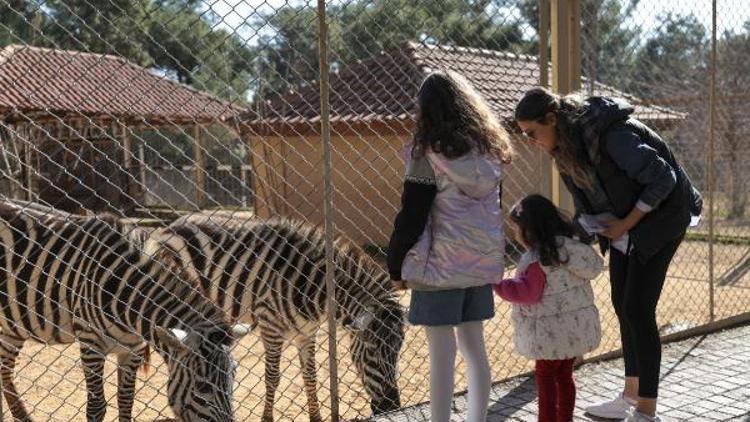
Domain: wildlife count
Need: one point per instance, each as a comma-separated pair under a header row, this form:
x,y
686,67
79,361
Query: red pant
x,y
557,390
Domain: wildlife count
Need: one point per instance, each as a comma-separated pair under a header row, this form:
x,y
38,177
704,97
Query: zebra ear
x,y
173,338
361,321
241,330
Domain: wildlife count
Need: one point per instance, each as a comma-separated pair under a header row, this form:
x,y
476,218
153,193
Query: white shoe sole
x,y
608,415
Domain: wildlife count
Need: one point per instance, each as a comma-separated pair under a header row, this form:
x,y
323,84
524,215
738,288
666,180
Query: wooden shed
x,y
67,119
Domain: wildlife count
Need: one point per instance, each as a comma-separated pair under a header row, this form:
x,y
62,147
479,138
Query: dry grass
x,y
52,385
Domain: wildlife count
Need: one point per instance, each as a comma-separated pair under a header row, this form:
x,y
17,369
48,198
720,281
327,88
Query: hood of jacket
x,y
474,174
599,113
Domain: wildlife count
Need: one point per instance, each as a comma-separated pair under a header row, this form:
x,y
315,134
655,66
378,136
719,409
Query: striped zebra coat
x,y
70,278
271,275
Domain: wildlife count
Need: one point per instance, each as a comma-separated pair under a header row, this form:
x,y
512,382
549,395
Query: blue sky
x,y
731,13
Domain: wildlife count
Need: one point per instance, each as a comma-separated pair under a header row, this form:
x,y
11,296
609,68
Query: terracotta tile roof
x,y
61,82
384,87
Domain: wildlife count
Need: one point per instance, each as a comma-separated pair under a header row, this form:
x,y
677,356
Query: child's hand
x,y
398,285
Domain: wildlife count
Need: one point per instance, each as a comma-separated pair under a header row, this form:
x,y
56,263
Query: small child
x,y
554,316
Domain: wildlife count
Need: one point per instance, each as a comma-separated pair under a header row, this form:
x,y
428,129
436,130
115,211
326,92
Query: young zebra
x,y
81,278
271,275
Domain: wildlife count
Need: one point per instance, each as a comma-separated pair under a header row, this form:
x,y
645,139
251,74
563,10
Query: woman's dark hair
x,y
454,119
535,105
540,222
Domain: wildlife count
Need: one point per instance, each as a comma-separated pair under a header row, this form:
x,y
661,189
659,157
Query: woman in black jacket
x,y
621,171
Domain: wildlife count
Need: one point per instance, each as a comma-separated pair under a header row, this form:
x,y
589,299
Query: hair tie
x,y
517,208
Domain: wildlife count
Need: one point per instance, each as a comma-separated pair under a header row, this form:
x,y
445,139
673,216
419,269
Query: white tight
x,y
442,341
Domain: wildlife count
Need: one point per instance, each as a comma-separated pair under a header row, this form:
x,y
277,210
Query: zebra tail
x,y
146,365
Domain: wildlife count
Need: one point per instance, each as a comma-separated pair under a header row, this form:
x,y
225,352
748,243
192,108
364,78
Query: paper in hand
x,y
594,224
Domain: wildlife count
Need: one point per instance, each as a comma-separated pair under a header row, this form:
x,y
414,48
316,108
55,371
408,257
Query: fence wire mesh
x,y
197,123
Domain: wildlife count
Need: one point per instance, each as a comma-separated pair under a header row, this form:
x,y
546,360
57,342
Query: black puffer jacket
x,y
633,164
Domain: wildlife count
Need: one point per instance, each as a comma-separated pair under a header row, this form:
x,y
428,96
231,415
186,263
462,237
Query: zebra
x,y
82,279
271,275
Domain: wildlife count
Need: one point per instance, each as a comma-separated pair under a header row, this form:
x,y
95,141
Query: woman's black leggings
x,y
636,288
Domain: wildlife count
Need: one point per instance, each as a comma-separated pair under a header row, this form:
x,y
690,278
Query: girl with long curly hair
x,y
447,244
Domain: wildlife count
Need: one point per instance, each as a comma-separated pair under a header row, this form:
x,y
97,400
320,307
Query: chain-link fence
x,y
199,123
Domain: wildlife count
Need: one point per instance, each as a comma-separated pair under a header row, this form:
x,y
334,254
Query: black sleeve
x,y
642,163
416,202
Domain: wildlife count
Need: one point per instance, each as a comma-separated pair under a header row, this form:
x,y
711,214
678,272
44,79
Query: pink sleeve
x,y
525,289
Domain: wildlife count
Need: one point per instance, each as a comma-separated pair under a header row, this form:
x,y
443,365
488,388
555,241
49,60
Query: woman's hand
x,y
398,285
615,229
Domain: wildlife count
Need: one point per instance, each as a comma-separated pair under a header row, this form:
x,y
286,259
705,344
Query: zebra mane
x,y
36,209
56,218
350,257
343,247
345,250
196,299
178,284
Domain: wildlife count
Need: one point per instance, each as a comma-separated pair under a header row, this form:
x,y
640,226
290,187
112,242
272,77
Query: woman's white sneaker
x,y
637,416
619,408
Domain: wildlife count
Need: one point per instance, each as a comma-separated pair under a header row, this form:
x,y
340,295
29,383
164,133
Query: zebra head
x,y
201,372
377,336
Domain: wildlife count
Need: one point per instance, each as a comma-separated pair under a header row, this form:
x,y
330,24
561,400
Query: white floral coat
x,y
565,323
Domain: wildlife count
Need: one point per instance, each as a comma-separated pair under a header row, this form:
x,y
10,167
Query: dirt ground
x,y
51,382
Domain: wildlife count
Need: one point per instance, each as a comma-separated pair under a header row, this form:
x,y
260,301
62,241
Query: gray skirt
x,y
451,307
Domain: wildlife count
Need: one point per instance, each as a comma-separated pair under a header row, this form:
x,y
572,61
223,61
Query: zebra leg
x,y
9,349
93,369
306,347
127,368
273,376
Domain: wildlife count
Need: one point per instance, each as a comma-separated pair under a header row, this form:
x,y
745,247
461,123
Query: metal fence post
x,y
710,164
325,131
